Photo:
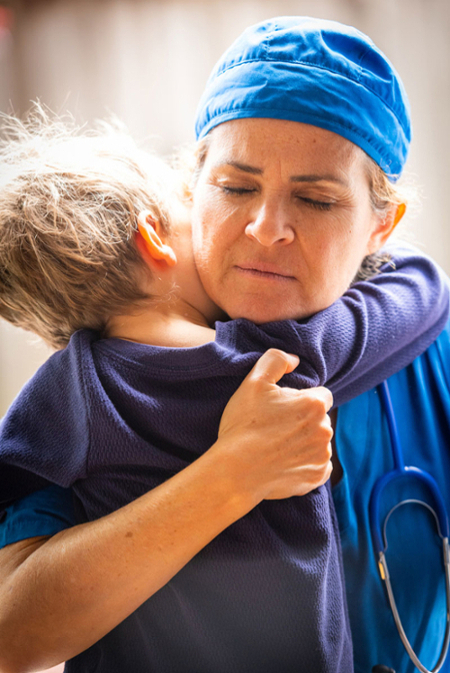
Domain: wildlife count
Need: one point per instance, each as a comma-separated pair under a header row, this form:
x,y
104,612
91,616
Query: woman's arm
x,y
60,595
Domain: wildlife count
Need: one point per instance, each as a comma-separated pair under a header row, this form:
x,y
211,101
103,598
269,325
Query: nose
x,y
270,224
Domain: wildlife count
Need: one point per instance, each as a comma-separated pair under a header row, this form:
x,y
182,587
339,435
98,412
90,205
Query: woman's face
x,y
281,218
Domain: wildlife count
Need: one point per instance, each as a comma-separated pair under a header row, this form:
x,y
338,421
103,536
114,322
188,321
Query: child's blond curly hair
x,y
69,201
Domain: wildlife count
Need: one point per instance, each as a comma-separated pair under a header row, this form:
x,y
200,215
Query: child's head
x,y
69,204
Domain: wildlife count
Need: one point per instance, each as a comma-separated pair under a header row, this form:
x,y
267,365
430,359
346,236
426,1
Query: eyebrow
x,y
241,167
253,170
329,177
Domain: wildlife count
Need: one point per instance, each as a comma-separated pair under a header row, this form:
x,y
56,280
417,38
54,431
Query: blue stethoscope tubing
x,y
379,531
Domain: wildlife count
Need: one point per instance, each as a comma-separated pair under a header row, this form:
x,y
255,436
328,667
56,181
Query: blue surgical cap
x,y
317,72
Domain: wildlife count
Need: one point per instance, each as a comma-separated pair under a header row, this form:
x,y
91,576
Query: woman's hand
x,y
279,439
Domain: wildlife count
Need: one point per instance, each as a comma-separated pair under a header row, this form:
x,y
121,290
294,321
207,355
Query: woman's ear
x,y
401,210
386,225
149,242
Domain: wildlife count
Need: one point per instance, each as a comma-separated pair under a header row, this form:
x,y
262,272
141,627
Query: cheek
x,y
215,225
327,241
206,242
338,249
204,214
354,247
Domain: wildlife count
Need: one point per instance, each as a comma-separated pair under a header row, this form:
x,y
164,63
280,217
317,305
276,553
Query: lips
x,y
264,270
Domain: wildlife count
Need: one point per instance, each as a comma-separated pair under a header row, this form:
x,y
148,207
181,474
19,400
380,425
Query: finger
x,y
273,365
327,474
321,394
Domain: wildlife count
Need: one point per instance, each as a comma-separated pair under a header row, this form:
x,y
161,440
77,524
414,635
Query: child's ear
x,y
148,239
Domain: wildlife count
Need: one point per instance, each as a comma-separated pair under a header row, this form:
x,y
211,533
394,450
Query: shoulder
x,y
63,364
46,431
428,375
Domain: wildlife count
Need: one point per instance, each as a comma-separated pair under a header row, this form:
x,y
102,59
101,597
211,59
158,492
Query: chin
x,y
262,314
259,310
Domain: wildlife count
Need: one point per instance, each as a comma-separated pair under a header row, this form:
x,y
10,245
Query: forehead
x,y
294,145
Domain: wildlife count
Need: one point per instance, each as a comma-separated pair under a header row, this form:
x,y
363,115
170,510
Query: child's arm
x,y
375,329
405,311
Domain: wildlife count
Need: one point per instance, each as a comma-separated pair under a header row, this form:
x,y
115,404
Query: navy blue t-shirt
x,y
114,419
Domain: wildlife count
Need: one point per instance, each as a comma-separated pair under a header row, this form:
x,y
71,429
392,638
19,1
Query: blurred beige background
x,y
147,61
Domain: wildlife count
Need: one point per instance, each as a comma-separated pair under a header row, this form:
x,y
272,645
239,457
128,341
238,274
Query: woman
x,y
297,204
296,101
298,116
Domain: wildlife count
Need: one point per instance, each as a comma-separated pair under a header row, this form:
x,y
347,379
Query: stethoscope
x,y
379,531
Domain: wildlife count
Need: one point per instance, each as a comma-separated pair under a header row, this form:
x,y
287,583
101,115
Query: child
x,y
96,259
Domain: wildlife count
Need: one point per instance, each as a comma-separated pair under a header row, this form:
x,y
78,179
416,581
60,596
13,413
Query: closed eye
x,y
320,205
237,191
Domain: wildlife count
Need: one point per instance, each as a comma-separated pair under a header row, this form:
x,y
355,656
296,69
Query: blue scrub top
x,y
45,512
421,399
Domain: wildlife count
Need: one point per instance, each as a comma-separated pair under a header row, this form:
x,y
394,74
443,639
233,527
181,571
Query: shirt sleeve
x,y
375,329
44,437
44,512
